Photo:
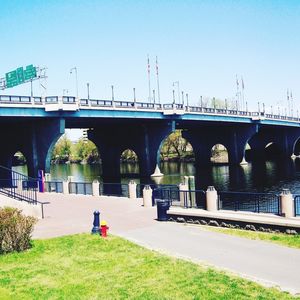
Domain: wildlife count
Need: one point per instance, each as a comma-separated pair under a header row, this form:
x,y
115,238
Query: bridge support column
x,y
38,142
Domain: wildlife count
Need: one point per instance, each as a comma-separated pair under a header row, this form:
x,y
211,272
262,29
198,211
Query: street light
x,y
71,72
177,83
88,90
112,93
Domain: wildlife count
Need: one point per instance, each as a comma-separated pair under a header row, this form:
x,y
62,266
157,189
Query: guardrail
x,y
82,188
253,202
297,205
114,189
53,186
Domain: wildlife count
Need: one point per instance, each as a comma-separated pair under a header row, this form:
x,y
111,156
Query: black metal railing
x,y
176,197
114,189
82,188
53,186
18,186
297,205
252,202
193,199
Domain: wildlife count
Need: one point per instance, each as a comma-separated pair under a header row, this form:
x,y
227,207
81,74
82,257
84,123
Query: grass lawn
x,y
88,267
278,238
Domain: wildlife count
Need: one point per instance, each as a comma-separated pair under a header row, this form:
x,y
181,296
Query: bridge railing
x,y
253,202
11,99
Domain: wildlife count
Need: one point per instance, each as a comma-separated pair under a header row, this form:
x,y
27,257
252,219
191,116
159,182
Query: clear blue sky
x,y
201,44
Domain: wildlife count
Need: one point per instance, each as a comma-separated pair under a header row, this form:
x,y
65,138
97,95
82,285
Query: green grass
x,y
88,267
278,238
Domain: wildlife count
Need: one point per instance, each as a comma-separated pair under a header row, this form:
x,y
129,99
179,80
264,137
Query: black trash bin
x,y
162,207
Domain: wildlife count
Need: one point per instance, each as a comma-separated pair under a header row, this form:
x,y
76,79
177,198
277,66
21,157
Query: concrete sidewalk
x,y
264,262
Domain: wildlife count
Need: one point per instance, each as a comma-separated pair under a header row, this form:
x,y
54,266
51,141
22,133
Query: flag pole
x,y
157,79
149,83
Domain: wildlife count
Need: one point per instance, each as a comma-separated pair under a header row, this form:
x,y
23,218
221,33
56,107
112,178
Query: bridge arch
x,y
296,148
219,154
175,148
129,162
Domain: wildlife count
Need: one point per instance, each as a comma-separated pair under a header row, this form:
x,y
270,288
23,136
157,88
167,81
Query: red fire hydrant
x,y
104,228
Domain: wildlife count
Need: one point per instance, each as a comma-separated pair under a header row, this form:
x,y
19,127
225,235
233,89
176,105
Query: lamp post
x,y
177,83
173,97
134,98
76,79
88,90
112,93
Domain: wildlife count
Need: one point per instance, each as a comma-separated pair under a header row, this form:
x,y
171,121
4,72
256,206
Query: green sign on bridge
x,y
20,75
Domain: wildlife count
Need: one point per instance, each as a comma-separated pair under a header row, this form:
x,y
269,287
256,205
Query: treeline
x,y
175,148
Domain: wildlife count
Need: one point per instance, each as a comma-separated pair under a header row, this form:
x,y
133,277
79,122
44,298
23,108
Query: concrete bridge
x,y
33,125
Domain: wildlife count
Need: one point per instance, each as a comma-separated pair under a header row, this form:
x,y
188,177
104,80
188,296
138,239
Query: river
x,y
269,176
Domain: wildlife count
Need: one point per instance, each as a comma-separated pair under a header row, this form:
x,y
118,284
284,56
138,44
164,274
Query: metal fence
x,y
114,189
253,202
297,205
53,186
186,199
82,188
18,186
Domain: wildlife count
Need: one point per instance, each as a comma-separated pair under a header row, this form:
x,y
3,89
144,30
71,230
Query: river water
x,y
268,176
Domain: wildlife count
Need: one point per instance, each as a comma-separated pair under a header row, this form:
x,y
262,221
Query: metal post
x,y
246,106
173,97
153,96
272,110
182,96
88,90
263,107
134,97
258,107
112,93
201,103
76,78
96,223
187,100
31,89
214,102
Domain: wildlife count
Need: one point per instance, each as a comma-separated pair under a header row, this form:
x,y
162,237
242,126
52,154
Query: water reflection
x,y
269,176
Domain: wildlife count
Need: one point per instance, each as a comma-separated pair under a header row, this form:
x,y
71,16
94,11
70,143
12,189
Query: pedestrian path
x,y
267,263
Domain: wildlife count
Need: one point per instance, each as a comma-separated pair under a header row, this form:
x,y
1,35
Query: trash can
x,y
162,207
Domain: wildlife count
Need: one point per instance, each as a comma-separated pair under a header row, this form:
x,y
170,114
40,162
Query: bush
x,y
15,230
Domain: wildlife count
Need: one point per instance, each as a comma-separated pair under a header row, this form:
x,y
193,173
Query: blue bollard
x,y
96,223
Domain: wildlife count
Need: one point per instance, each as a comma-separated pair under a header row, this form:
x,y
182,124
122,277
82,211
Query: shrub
x,y
15,230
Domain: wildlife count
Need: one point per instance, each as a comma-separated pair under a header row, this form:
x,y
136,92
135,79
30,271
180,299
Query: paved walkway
x,y
267,263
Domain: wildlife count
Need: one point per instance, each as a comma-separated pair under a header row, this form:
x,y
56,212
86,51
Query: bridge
x,y
33,125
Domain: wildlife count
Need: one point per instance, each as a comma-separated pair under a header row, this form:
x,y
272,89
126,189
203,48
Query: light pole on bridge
x,y
112,93
76,79
88,90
